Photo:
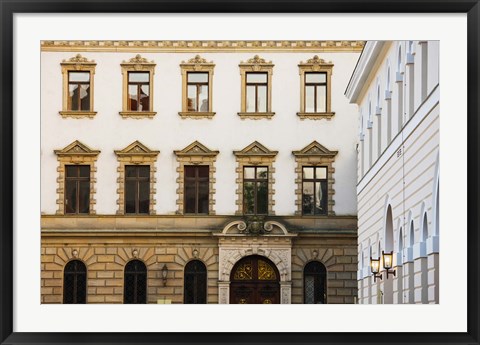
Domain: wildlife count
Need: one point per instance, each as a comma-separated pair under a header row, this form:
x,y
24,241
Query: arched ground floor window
x,y
315,283
135,285
75,283
195,289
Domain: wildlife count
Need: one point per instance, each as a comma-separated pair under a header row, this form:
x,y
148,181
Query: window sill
x,y
255,116
196,114
315,116
78,114
138,114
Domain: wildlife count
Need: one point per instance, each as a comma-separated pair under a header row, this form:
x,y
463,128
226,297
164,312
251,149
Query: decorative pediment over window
x,y
315,149
256,64
255,149
138,63
136,149
76,149
316,63
77,62
255,227
197,63
196,149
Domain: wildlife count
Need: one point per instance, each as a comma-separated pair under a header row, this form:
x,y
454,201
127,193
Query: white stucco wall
x,y
226,132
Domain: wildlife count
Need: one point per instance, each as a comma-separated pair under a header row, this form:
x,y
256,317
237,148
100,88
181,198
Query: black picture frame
x,y
10,7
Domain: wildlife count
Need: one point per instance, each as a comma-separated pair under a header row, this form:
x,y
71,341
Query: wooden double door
x,y
254,280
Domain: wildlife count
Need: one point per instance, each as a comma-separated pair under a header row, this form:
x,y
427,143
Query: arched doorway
x,y
254,280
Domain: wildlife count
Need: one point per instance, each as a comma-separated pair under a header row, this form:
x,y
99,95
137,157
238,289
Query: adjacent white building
x,y
396,87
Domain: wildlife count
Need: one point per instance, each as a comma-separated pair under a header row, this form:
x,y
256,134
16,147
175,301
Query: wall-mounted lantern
x,y
375,266
388,262
164,274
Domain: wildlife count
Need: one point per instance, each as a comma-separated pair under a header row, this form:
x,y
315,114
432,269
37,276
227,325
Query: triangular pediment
x,y
255,149
315,149
76,148
137,148
196,149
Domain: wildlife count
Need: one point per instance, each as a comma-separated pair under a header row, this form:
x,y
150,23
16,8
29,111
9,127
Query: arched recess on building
x,y
264,239
388,247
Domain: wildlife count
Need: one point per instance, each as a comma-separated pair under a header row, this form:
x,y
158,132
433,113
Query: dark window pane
x,y
143,171
315,283
130,171
197,77
262,172
315,77
308,197
190,196
74,283
195,291
132,97
203,171
130,192
249,197
321,99
71,170
84,197
84,170
262,98
144,98
308,172
256,77
203,97
73,91
262,198
85,97
323,199
203,197
190,171
249,172
135,283
144,197
138,77
250,101
70,196
79,77
310,99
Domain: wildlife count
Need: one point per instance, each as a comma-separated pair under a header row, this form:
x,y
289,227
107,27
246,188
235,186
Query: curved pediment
x,y
255,227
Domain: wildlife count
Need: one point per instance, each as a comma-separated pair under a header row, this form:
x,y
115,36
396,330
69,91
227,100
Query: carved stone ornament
x,y
78,59
138,59
317,61
197,60
255,226
256,149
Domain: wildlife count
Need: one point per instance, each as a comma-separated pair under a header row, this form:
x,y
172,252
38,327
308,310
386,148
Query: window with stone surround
x,y
315,89
256,88
315,283
255,169
78,95
75,283
197,86
196,181
136,180
314,175
76,179
195,281
135,283
137,99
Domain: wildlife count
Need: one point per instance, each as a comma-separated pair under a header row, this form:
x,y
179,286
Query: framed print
x,y
162,165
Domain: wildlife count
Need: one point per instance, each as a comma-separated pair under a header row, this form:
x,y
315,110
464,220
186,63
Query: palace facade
x,y
198,172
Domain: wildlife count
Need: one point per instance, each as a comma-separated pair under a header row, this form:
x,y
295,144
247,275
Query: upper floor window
x,y
138,75
195,290
197,79
315,89
315,191
78,75
76,179
255,190
136,179
138,91
256,88
315,92
137,189
315,180
196,189
75,283
77,189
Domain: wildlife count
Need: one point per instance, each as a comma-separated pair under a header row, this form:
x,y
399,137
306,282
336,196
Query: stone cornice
x,y
203,46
